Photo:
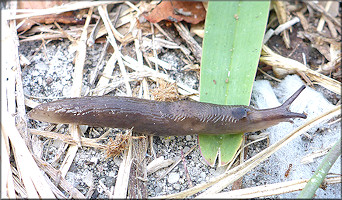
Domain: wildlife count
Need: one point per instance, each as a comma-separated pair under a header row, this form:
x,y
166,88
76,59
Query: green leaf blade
x,y
231,48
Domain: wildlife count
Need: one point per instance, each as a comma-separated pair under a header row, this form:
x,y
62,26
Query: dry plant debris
x,y
165,91
176,11
65,18
138,55
115,147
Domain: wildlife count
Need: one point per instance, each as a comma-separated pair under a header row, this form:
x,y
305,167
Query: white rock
x,y
88,178
157,164
176,186
188,138
173,177
203,175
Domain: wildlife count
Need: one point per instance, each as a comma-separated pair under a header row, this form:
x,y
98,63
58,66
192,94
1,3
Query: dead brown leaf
x,y
175,11
71,17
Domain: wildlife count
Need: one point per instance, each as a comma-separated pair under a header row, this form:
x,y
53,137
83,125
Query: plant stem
x,y
319,175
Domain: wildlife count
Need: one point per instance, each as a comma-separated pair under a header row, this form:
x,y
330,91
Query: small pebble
x,y
158,189
181,180
186,149
188,138
173,177
94,160
88,178
203,175
176,186
111,174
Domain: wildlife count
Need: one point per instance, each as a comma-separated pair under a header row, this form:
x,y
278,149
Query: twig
x,y
280,9
322,21
7,182
274,78
310,157
162,31
44,47
63,32
92,36
54,189
18,184
321,10
186,170
182,47
175,163
95,72
104,15
280,29
286,25
154,47
185,34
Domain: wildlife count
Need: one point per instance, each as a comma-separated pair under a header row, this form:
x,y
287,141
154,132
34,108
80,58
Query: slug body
x,y
163,118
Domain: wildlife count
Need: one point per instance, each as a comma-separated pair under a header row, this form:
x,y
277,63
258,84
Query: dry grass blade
x,y
76,92
29,182
221,181
280,9
104,15
277,61
157,164
7,183
321,10
121,184
58,179
185,34
176,163
103,81
98,67
269,189
58,9
183,88
309,158
68,139
32,178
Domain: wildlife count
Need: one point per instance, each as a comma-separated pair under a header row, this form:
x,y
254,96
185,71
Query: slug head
x,y
261,119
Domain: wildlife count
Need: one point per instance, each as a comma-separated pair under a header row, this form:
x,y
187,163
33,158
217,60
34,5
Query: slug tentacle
x,y
163,118
288,102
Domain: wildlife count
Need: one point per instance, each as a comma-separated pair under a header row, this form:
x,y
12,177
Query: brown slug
x,y
163,118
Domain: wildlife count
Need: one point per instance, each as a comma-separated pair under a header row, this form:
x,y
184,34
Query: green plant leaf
x,y
321,172
234,31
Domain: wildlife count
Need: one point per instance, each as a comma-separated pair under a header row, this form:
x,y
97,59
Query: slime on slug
x,y
163,118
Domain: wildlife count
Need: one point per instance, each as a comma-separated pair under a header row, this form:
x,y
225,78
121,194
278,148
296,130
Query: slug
x,y
163,118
